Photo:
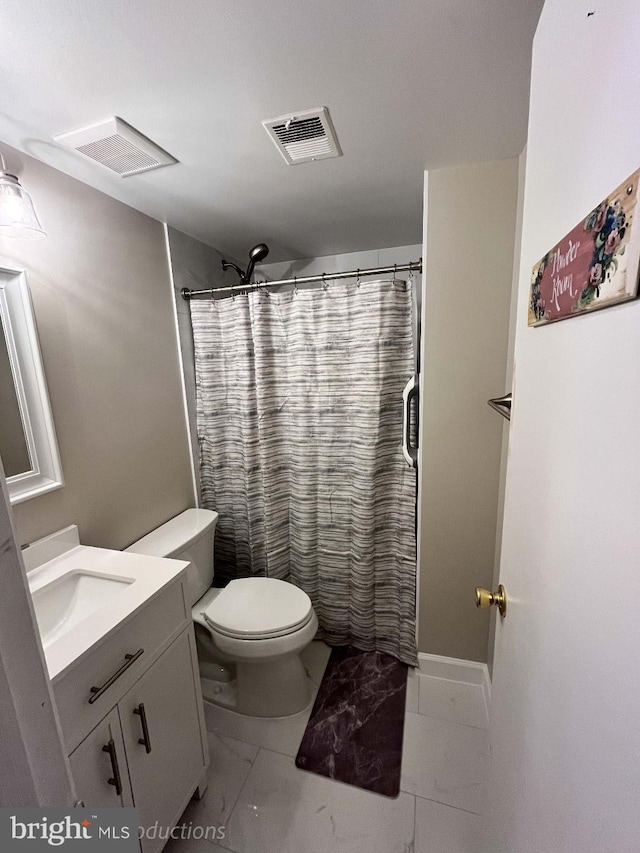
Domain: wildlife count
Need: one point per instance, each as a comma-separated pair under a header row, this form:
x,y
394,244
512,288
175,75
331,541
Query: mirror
x,y
13,444
28,446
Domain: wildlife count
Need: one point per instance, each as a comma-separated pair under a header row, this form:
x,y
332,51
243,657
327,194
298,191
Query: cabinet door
x,y
160,719
99,766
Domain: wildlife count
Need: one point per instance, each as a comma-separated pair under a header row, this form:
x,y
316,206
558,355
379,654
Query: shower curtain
x,y
299,411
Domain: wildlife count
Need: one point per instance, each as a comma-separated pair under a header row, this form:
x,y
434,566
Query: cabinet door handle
x,y
144,740
129,659
115,780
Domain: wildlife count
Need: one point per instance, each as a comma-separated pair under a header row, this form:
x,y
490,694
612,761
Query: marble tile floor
x,y
267,805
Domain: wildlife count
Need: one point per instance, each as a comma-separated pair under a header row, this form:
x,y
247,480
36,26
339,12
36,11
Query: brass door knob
x,y
484,598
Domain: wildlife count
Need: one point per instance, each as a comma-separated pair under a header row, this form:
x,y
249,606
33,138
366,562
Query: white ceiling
x,y
411,84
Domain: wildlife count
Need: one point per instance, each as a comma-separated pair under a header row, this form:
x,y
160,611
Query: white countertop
x,y
148,576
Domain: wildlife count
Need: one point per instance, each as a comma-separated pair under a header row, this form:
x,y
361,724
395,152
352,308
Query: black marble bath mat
x,y
355,730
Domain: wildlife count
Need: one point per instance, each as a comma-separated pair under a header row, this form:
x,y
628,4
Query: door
x,y
99,766
35,769
161,728
565,727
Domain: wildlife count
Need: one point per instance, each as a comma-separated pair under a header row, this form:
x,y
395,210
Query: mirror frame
x,y
21,334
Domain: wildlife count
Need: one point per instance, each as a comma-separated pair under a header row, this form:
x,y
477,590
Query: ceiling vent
x,y
118,146
304,136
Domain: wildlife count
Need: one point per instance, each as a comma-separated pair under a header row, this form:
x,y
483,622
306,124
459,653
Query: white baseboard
x,y
455,669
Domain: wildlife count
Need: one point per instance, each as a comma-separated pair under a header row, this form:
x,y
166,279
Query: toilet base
x,y
279,689
270,678
221,693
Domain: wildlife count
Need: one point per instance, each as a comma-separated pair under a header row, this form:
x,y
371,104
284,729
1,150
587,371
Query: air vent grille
x,y
304,136
118,146
116,153
297,129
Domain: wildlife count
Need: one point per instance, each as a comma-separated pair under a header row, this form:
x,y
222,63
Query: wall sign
x,y
595,265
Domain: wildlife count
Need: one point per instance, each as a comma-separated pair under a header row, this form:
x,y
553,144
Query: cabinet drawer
x,y
115,663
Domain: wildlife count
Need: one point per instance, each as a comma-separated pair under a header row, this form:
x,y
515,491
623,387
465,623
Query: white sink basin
x,y
61,604
82,594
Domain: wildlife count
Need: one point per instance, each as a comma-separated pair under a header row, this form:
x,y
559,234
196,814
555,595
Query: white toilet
x,y
258,625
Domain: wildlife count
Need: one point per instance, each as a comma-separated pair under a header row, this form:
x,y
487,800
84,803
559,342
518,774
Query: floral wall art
x,y
595,265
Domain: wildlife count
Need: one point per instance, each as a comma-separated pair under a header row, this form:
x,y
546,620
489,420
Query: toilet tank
x,y
188,536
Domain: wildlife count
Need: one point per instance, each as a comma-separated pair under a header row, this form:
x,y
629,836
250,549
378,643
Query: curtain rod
x,y
414,266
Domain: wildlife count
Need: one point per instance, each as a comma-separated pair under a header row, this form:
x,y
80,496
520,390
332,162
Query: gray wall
x,y
104,310
469,266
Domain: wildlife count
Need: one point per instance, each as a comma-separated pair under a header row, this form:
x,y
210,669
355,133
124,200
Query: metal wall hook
x,y
502,405
325,286
295,286
358,278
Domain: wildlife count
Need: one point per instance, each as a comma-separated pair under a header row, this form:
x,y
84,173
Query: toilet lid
x,y
253,608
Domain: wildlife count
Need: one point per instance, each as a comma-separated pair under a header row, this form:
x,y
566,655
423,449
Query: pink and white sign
x,y
595,265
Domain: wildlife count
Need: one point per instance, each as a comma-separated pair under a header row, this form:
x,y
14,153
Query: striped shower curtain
x,y
299,409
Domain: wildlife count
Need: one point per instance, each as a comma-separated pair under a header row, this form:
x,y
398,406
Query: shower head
x,y
257,254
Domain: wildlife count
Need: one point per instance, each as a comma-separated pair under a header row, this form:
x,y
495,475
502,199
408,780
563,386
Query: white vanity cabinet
x,y
132,716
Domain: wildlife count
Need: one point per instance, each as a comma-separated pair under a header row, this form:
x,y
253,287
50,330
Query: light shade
x,y
17,215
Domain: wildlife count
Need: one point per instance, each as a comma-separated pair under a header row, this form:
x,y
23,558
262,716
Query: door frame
x,y
421,397
36,769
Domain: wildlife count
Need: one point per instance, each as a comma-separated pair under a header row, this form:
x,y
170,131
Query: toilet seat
x,y
259,609
266,636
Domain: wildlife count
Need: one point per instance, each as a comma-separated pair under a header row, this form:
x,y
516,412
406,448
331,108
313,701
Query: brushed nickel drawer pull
x,y
115,780
144,740
129,659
